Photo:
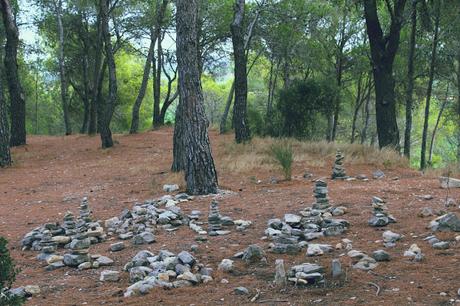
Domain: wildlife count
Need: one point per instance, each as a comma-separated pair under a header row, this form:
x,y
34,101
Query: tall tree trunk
x,y
98,74
240,118
228,104
231,94
458,107
430,84
155,32
62,72
435,129
410,80
5,155
360,98
109,105
383,52
200,172
157,85
86,97
17,98
367,116
179,160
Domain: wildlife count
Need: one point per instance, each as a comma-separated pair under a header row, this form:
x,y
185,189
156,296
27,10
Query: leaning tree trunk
x,y
383,52
410,80
240,120
109,105
435,129
200,172
367,117
430,84
148,63
5,155
62,72
17,98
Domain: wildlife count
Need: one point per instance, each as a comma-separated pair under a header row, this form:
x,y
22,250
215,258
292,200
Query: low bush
x,y
8,273
282,153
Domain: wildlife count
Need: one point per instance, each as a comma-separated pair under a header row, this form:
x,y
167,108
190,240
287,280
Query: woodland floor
x,y
52,174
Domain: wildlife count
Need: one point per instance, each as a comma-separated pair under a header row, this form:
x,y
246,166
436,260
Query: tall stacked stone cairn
x,y
214,219
338,171
321,196
74,235
380,217
291,234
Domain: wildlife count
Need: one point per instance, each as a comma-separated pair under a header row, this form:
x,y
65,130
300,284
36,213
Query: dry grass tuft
x,y
243,158
451,170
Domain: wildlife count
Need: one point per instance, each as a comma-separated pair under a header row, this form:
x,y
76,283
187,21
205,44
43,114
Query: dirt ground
x,y
52,174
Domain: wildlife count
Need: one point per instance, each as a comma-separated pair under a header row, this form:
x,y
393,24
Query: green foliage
x,y
283,154
8,273
302,104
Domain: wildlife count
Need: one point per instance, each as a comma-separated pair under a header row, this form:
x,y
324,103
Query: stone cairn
x,y
75,235
338,172
321,197
214,219
291,234
380,217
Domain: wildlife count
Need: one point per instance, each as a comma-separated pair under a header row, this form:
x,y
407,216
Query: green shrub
x,y
282,153
8,273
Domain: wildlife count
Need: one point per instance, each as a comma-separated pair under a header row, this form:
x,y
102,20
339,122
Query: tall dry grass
x,y
256,155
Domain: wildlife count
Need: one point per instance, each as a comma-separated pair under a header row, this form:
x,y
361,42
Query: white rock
x,y
109,276
226,265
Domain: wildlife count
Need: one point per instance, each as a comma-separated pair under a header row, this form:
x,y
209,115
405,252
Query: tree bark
x,y
366,118
98,75
109,105
157,85
410,80
430,84
240,118
458,108
231,94
383,52
200,172
62,70
435,129
17,98
5,155
148,63
168,99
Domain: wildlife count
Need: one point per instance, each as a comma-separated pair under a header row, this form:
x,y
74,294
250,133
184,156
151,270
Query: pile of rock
x,y
362,261
338,171
214,219
140,223
166,270
292,233
414,252
380,217
321,196
447,222
436,243
390,238
74,234
306,274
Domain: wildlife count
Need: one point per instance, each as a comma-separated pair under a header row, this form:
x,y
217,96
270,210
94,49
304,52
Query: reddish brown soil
x,y
52,174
